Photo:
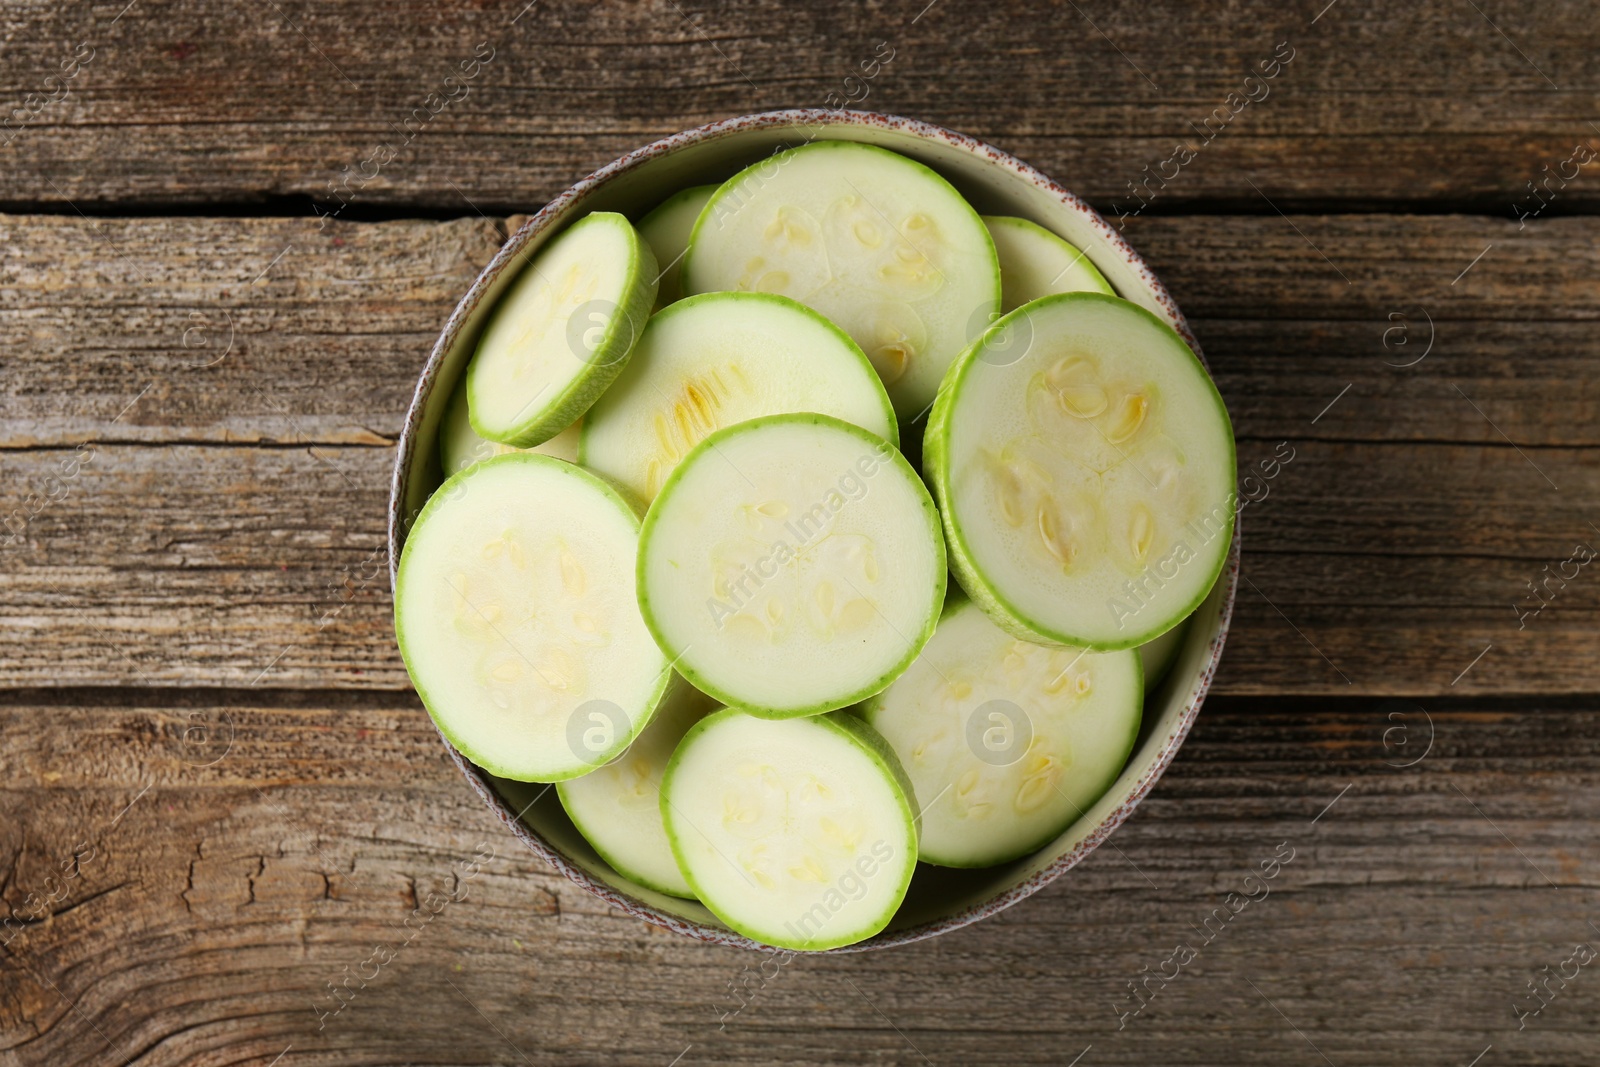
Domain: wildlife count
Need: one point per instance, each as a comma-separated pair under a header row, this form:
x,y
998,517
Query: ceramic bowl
x,y
940,899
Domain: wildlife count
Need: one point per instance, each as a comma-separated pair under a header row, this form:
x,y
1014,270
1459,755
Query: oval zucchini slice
x,y
713,360
878,243
1035,262
516,614
791,565
1007,743
460,446
666,229
562,332
796,833
1084,466
618,807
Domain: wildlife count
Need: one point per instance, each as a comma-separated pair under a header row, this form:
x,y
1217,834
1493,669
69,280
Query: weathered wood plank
x,y
269,330
191,102
224,330
204,571
1369,568
1394,548
204,923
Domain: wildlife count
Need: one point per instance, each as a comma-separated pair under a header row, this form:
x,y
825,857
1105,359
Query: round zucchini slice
x,y
796,833
517,617
460,446
562,332
1007,743
618,807
878,243
792,565
720,358
666,229
1035,262
1084,466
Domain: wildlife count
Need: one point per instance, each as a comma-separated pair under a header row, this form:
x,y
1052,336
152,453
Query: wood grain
x,y
240,879
228,530
276,331
224,331
190,102
1369,568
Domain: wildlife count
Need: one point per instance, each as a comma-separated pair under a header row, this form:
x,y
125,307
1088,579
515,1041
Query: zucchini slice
x,y
1035,262
1084,466
666,229
516,614
792,565
878,243
1007,743
796,833
720,358
460,446
618,807
562,332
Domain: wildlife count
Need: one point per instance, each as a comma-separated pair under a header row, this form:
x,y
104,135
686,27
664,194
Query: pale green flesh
x,y
1084,464
796,833
1007,743
667,230
792,565
1035,262
460,446
515,610
879,244
618,807
1158,655
561,332
713,360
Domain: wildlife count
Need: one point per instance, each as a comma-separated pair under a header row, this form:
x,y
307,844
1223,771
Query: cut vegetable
x,y
878,243
618,807
516,615
1007,743
791,565
1035,262
460,446
713,360
667,231
1084,466
562,332
798,834
1158,655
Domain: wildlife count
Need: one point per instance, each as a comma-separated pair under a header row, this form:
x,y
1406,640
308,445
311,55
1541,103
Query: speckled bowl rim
x,y
553,213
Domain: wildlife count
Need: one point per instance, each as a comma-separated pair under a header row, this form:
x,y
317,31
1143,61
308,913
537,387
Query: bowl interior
x,y
939,898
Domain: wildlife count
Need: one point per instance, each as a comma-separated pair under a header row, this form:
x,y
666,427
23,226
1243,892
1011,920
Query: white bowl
x,y
940,899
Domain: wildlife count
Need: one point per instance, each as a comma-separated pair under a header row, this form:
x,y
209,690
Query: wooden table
x,y
221,798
